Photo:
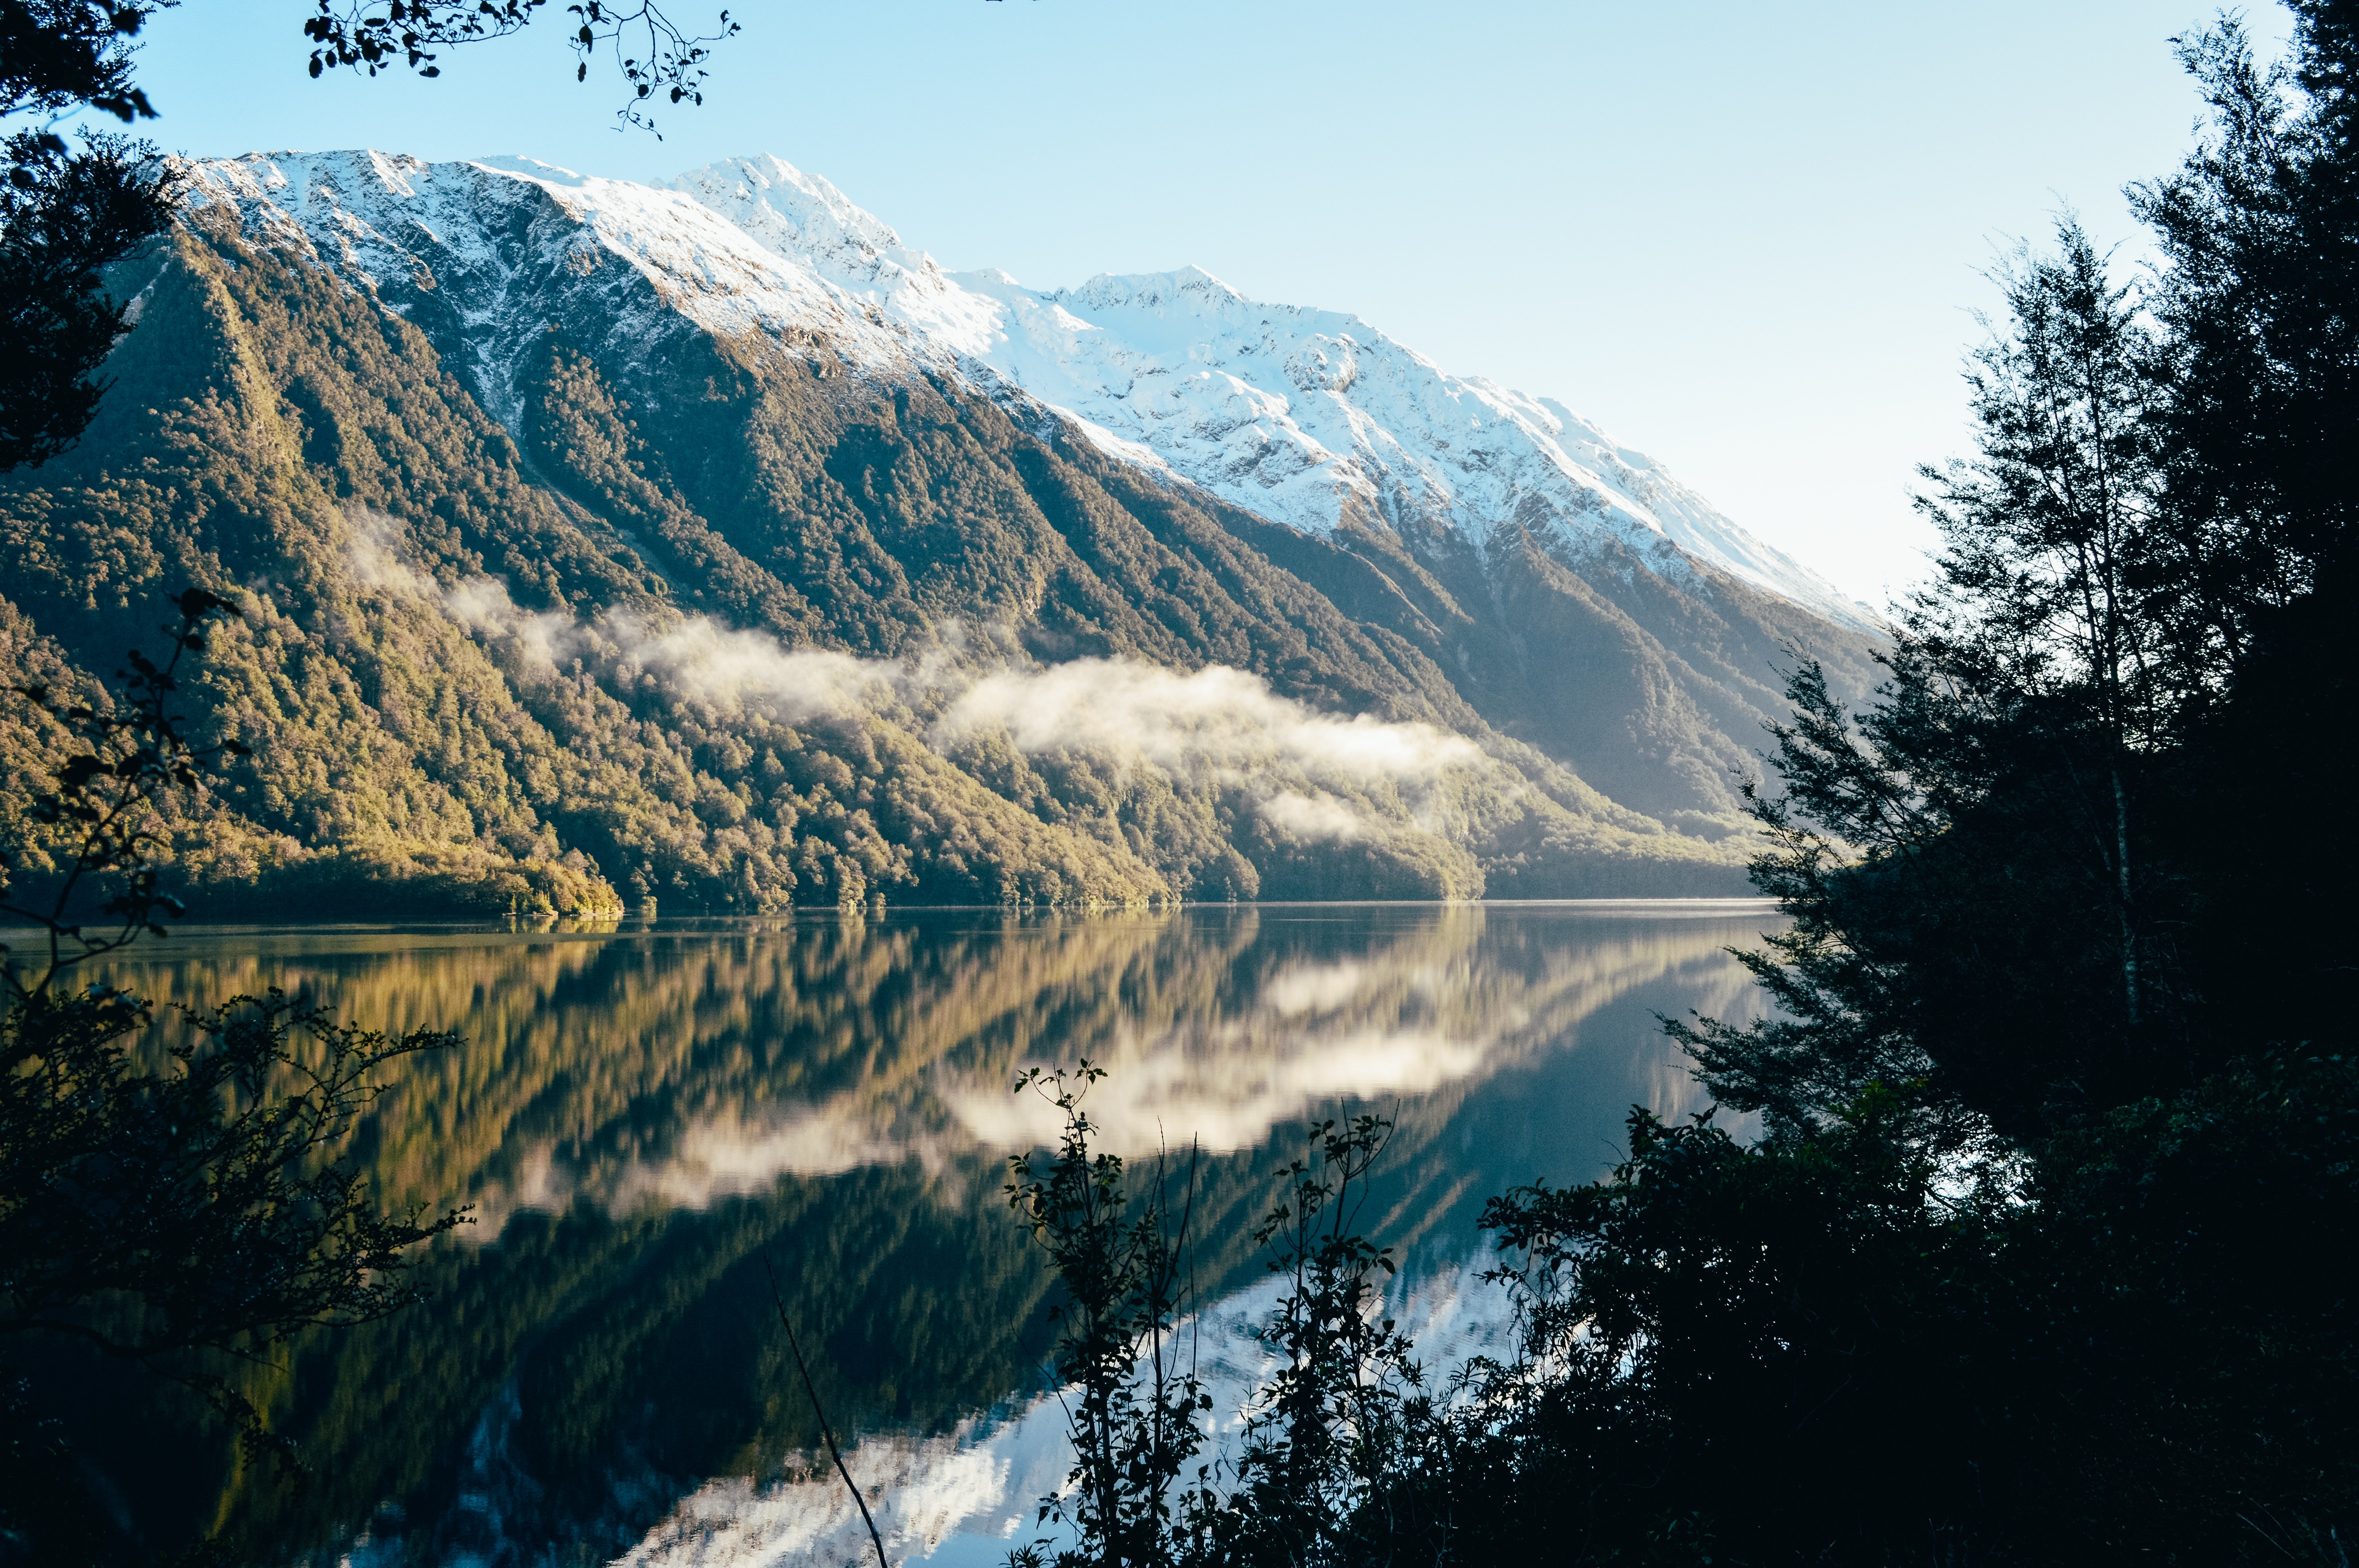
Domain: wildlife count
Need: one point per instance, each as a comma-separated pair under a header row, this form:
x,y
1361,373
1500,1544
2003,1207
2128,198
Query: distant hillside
x,y
596,551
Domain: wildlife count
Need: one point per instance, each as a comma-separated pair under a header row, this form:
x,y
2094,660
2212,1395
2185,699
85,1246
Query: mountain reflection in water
x,y
641,1114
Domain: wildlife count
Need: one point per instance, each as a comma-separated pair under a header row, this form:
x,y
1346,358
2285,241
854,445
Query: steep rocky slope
x,y
599,542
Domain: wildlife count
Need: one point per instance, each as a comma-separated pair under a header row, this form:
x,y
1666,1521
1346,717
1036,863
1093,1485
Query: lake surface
x,y
642,1114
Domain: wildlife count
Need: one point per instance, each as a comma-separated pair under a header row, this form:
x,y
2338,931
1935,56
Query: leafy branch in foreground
x,y
671,62
65,218
1321,1436
205,1199
159,1216
1121,1258
1334,1419
105,817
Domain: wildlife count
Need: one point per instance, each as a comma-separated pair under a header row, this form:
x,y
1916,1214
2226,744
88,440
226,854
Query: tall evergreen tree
x,y
1971,863
2260,299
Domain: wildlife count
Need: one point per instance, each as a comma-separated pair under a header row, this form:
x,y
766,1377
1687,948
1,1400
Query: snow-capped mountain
x,y
493,244
1308,417
739,396
1299,414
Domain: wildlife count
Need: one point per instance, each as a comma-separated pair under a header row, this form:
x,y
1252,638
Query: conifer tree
x,y
1968,862
2260,300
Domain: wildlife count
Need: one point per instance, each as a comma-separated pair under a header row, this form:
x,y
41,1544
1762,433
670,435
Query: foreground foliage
x,y
166,1215
1318,1436
2037,1262
1824,1349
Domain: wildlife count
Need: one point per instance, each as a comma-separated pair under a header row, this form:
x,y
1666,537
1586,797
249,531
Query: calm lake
x,y
642,1114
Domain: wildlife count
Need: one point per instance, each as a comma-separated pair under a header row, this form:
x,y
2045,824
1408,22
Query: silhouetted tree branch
x,y
161,1216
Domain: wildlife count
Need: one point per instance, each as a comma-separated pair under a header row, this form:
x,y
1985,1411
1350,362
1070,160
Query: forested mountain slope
x,y
573,575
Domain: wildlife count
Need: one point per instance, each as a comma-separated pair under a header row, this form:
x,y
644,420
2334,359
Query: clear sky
x,y
1747,239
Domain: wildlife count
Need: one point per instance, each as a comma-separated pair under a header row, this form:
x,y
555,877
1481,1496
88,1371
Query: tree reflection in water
x,y
641,1111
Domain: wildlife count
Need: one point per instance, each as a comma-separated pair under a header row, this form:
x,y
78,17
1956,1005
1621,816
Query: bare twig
x,y
837,1454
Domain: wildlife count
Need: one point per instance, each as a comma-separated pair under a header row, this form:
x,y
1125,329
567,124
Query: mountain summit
x,y
1306,416
708,541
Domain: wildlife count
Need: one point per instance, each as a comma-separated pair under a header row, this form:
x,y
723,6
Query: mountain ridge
x,y
442,430
797,274
1633,493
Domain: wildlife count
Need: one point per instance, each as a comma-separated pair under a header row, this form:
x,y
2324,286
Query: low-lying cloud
x,y
1177,720
1216,723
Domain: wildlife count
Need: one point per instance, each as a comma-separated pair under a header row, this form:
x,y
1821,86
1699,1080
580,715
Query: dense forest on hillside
x,y
744,637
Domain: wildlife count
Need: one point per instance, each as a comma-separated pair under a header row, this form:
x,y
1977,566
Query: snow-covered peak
x,y
506,247
800,216
1310,417
532,168
810,225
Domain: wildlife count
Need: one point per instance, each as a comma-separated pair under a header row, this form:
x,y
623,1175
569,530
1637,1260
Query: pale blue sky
x,y
1745,238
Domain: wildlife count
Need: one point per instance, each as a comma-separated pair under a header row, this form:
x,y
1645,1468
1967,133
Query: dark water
x,y
642,1115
